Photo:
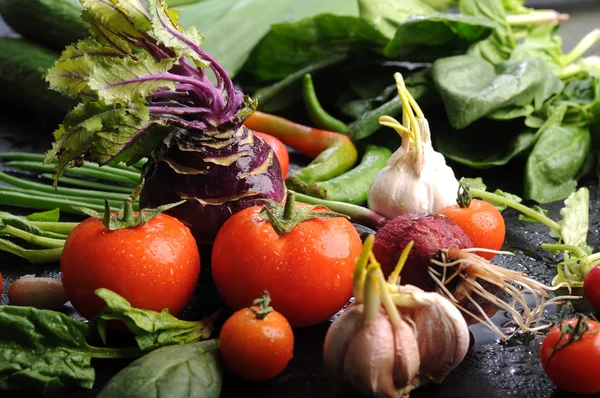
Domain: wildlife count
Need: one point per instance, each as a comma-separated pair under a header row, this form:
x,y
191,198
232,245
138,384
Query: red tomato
x,y
254,348
308,271
482,223
574,368
154,266
591,287
280,151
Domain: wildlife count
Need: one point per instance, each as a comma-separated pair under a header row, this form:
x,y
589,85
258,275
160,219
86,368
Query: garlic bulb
x,y
394,338
416,178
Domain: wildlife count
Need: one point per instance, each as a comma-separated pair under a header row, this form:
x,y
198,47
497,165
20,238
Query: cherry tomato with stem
x,y
152,261
305,258
480,220
257,343
570,355
280,151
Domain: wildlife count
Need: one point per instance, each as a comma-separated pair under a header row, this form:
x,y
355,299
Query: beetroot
x,y
430,233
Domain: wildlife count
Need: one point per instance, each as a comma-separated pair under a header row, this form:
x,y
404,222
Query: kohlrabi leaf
x,y
291,46
113,19
167,31
574,222
555,161
70,74
471,88
151,329
190,370
129,80
387,15
429,37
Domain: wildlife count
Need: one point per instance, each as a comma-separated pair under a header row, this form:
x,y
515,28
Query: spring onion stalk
x,y
59,228
48,203
48,243
34,256
38,157
105,173
93,185
32,192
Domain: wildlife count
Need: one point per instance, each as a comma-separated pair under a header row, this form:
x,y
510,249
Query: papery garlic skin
x,y
413,182
443,344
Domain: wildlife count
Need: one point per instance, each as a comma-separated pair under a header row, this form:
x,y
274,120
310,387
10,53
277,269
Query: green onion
x,y
45,202
44,242
87,170
99,186
35,256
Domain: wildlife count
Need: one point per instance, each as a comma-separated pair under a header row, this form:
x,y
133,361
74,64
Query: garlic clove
x,y
408,361
369,362
441,331
339,336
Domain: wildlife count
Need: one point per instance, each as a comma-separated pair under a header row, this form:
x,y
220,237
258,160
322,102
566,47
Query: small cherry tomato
x,y
591,287
280,151
154,266
256,343
480,220
570,355
307,269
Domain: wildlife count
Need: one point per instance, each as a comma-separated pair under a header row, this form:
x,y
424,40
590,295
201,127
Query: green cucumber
x,y
22,65
52,23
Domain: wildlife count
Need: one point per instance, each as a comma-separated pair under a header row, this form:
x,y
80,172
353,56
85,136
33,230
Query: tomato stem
x,y
264,307
463,198
574,332
289,209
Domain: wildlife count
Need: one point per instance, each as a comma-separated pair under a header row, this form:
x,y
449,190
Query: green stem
x,y
99,186
106,173
47,243
290,206
585,44
493,198
34,256
360,269
86,193
317,114
115,352
372,294
537,17
358,214
33,192
57,227
42,202
562,247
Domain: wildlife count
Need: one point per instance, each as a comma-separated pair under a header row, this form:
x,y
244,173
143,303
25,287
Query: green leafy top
x,y
138,72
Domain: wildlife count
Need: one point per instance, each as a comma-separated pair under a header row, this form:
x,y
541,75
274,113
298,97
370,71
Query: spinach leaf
x,y
472,88
498,47
555,161
387,15
151,329
429,37
441,5
41,347
190,370
541,43
511,112
292,46
472,148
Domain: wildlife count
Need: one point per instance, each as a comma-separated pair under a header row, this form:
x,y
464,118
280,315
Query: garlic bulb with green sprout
x,y
394,338
416,178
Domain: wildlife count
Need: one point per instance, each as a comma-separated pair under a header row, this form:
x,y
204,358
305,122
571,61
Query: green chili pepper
x,y
353,186
317,114
333,153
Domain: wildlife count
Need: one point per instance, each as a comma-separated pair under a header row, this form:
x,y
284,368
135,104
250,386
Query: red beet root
x,y
430,233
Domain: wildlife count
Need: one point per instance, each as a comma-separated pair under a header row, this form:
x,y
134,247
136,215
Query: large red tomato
x,y
154,266
307,271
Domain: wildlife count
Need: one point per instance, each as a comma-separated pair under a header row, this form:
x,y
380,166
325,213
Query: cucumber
x,y
52,23
22,65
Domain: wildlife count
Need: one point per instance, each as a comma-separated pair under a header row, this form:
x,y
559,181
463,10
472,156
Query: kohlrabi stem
x,y
290,205
48,243
571,248
493,198
394,277
537,17
360,269
372,294
357,214
584,44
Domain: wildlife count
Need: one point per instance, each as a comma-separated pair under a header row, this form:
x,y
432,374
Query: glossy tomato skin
x,y
154,266
575,368
280,151
256,349
591,287
308,272
482,223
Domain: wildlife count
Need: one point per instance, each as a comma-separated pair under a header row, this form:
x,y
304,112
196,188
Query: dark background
x,y
490,370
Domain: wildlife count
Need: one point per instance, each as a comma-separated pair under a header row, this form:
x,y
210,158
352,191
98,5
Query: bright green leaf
x,y
387,15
